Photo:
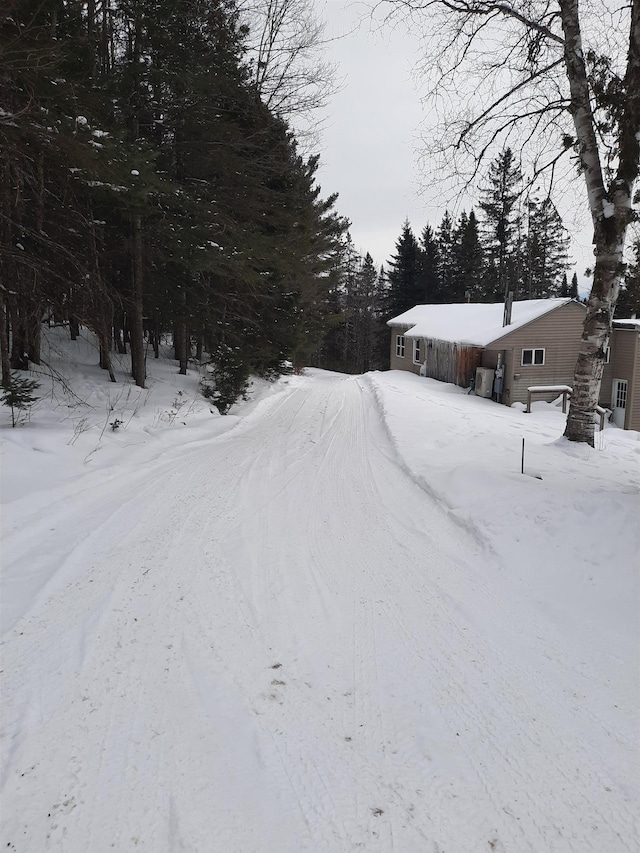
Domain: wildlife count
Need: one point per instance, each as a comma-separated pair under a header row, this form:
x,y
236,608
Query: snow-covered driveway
x,y
278,642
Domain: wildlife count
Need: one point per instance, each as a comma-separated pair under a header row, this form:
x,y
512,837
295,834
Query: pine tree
x,y
547,256
18,395
145,184
468,259
502,219
366,279
406,287
380,357
573,289
430,265
445,239
628,303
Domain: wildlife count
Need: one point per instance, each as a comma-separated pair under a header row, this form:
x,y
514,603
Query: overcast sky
x,y
370,142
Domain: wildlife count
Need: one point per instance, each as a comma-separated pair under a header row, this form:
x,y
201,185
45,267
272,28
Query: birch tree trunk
x,y
611,211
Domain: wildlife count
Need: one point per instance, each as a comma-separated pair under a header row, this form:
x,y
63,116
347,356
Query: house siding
x,y
558,333
624,364
396,362
633,415
607,373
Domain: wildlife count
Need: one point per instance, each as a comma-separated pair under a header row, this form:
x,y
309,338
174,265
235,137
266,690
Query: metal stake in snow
x,y
522,464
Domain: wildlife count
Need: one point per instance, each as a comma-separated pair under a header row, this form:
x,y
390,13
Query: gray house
x,y
537,347
620,389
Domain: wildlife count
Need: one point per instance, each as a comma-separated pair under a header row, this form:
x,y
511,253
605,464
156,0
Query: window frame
x,y
620,393
400,345
533,362
416,351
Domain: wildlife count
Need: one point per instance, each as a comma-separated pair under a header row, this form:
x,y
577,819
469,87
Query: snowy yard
x,y
338,619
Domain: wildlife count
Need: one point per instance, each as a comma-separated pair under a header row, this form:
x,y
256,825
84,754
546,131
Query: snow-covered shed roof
x,y
473,323
631,322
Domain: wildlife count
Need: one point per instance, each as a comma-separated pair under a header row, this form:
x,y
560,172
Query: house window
x,y
607,355
532,356
416,352
400,346
620,394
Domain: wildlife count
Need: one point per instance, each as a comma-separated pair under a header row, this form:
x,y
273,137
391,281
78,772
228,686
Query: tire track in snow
x,y
291,543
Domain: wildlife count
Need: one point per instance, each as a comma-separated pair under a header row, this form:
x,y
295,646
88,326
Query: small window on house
x,y
400,346
620,393
607,355
416,352
532,356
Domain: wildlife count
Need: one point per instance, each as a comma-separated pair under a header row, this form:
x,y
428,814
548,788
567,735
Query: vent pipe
x,y
508,302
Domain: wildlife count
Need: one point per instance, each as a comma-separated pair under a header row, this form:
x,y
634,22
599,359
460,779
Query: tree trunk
x,y
91,37
35,337
611,211
185,345
4,343
18,358
105,352
119,323
184,350
74,327
138,369
156,336
35,320
595,337
177,344
5,272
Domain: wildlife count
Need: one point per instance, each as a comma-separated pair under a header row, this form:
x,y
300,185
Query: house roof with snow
x,y
473,323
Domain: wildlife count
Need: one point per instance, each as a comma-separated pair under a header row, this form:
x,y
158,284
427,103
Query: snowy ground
x,y
339,619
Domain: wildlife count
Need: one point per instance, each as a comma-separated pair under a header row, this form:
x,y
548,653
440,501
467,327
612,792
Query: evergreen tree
x,y
380,357
468,260
445,239
146,188
352,344
547,256
18,396
500,205
564,287
628,303
430,265
364,311
406,287
573,289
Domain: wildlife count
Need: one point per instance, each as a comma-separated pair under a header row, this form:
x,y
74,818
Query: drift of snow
x,y
338,619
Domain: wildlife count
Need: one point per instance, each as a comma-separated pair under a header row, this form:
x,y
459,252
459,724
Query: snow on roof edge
x,y
473,323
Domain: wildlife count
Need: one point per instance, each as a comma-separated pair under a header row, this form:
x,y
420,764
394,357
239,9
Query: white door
x,y
619,401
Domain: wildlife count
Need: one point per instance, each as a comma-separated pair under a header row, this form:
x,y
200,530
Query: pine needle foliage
x,y
18,396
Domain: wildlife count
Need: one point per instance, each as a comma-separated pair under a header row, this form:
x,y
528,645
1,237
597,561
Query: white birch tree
x,y
558,80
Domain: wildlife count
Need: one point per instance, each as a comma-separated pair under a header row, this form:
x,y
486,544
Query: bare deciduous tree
x,y
558,80
286,40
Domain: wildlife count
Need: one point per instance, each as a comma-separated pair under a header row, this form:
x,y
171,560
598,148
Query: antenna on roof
x,y
508,302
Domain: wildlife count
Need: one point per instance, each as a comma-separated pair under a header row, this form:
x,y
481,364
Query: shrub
x,y
19,396
228,378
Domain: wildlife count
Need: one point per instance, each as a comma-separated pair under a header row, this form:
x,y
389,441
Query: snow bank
x,y
567,530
